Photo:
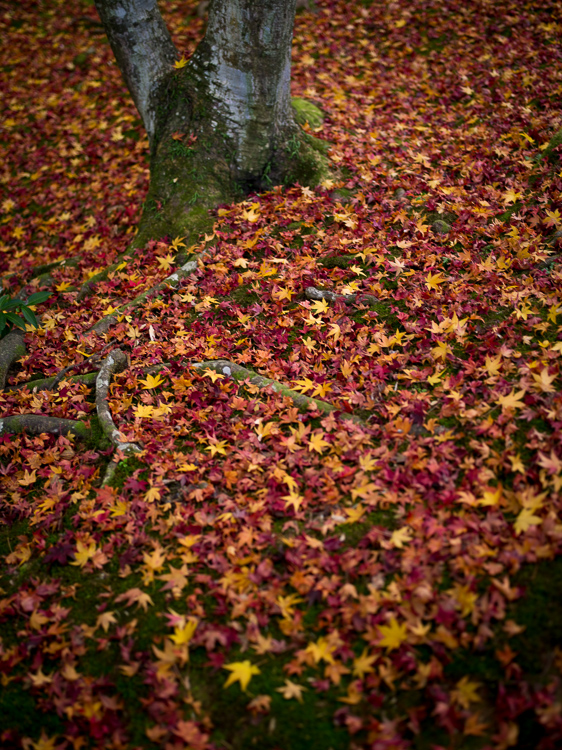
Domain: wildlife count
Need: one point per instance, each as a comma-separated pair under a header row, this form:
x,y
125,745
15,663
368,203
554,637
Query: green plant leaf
x,y
38,298
16,320
29,315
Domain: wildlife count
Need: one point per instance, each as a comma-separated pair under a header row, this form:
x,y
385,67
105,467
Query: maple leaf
x,y
393,635
525,520
491,497
261,704
242,672
152,381
166,263
135,596
400,537
317,443
510,196
83,553
180,63
512,400
293,499
465,692
143,411
475,726
363,664
184,633
544,381
321,650
492,366
291,690
43,743
29,477
433,280
152,494
320,306
208,373
105,620
304,385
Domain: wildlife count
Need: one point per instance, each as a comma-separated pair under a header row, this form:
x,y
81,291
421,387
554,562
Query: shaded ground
x,y
388,582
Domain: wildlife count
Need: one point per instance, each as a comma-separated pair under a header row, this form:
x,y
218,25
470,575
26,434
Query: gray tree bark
x,y
244,66
143,49
221,126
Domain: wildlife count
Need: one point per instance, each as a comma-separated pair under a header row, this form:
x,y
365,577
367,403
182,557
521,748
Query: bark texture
x,y
143,49
221,126
244,67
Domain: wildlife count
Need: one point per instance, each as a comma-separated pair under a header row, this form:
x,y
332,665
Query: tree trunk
x,y
221,126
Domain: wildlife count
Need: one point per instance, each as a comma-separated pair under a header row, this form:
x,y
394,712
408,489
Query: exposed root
x,y
115,362
239,373
36,424
103,325
88,286
12,348
109,472
311,292
49,384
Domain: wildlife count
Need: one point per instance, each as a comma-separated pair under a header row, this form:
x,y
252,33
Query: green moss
x,y
244,296
306,112
337,261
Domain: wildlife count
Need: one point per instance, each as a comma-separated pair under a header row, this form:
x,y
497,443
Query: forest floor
x,y
374,566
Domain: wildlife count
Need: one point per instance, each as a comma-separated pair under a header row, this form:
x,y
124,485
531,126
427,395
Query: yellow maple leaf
x,y
544,381
465,692
105,620
491,497
83,553
152,495
320,306
293,499
304,385
492,366
29,477
433,280
400,537
151,381
184,633
363,664
291,690
180,63
208,373
44,742
317,443
242,672
512,400
510,196
525,520
166,262
321,650
144,410
393,635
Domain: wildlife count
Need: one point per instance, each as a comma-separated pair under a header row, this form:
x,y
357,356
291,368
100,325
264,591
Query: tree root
x,y
239,373
311,292
12,348
36,424
49,384
103,325
115,362
88,286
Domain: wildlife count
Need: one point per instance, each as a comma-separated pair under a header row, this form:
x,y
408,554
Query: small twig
x,y
36,424
240,374
115,362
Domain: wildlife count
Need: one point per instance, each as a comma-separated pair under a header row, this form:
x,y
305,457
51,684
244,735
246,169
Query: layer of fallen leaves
x,y
359,556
